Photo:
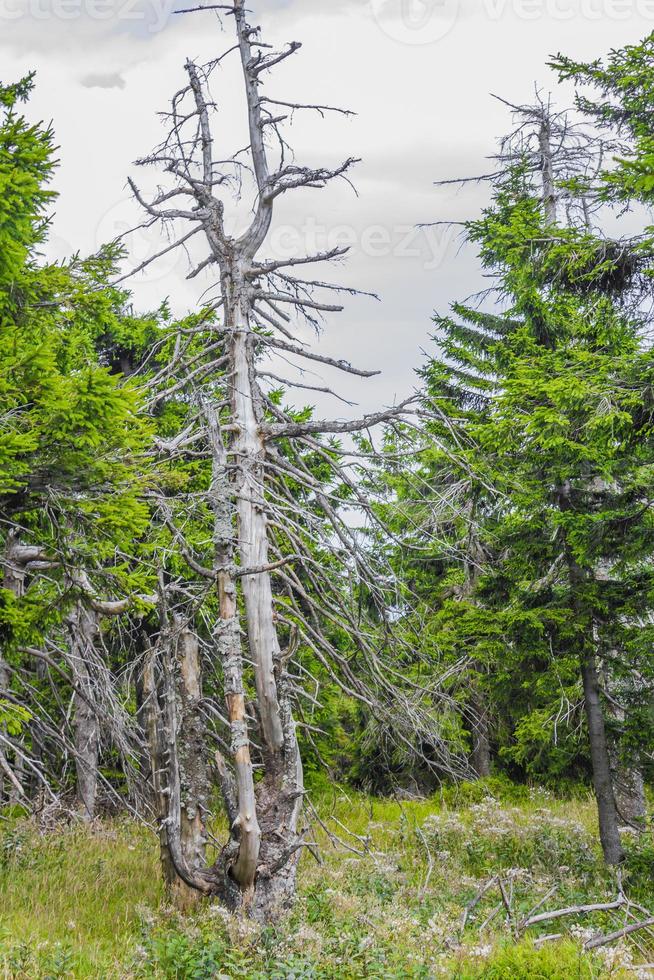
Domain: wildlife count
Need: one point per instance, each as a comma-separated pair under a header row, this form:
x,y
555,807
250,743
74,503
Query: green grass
x,y
74,896
81,902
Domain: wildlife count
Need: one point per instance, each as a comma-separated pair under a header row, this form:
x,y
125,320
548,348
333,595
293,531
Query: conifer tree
x,y
539,462
72,475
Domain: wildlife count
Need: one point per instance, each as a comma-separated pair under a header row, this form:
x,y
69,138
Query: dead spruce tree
x,y
285,563
15,564
71,700
95,691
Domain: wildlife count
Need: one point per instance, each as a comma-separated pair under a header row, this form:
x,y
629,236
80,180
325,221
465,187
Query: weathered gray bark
x,y
475,559
145,801
171,686
263,852
480,757
629,788
547,169
7,776
273,818
154,730
15,562
83,626
87,672
192,753
627,776
241,857
599,753
599,749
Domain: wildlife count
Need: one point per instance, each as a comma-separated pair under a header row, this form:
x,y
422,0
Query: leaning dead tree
x,y
287,566
96,703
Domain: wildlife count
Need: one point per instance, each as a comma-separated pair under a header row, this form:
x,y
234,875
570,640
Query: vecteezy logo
x,y
415,21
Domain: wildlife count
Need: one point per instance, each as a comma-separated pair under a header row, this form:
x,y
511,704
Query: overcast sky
x,y
418,73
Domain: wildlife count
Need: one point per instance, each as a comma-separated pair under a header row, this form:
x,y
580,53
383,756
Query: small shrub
x,y
318,906
12,847
560,961
489,838
496,787
373,882
177,955
639,865
23,961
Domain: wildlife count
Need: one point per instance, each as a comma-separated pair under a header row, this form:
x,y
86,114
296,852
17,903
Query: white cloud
x,y
108,80
424,114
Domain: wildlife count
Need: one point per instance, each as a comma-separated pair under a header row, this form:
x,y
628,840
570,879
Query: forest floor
x,y
87,902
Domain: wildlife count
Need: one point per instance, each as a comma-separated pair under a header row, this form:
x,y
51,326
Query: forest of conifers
x,y
284,695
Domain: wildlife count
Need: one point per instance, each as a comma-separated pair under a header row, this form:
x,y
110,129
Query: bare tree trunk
x,y
280,805
6,783
14,571
38,738
599,749
547,169
481,755
253,541
153,719
599,753
627,777
144,692
4,677
192,755
178,744
17,791
83,627
629,787
241,857
264,824
280,794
